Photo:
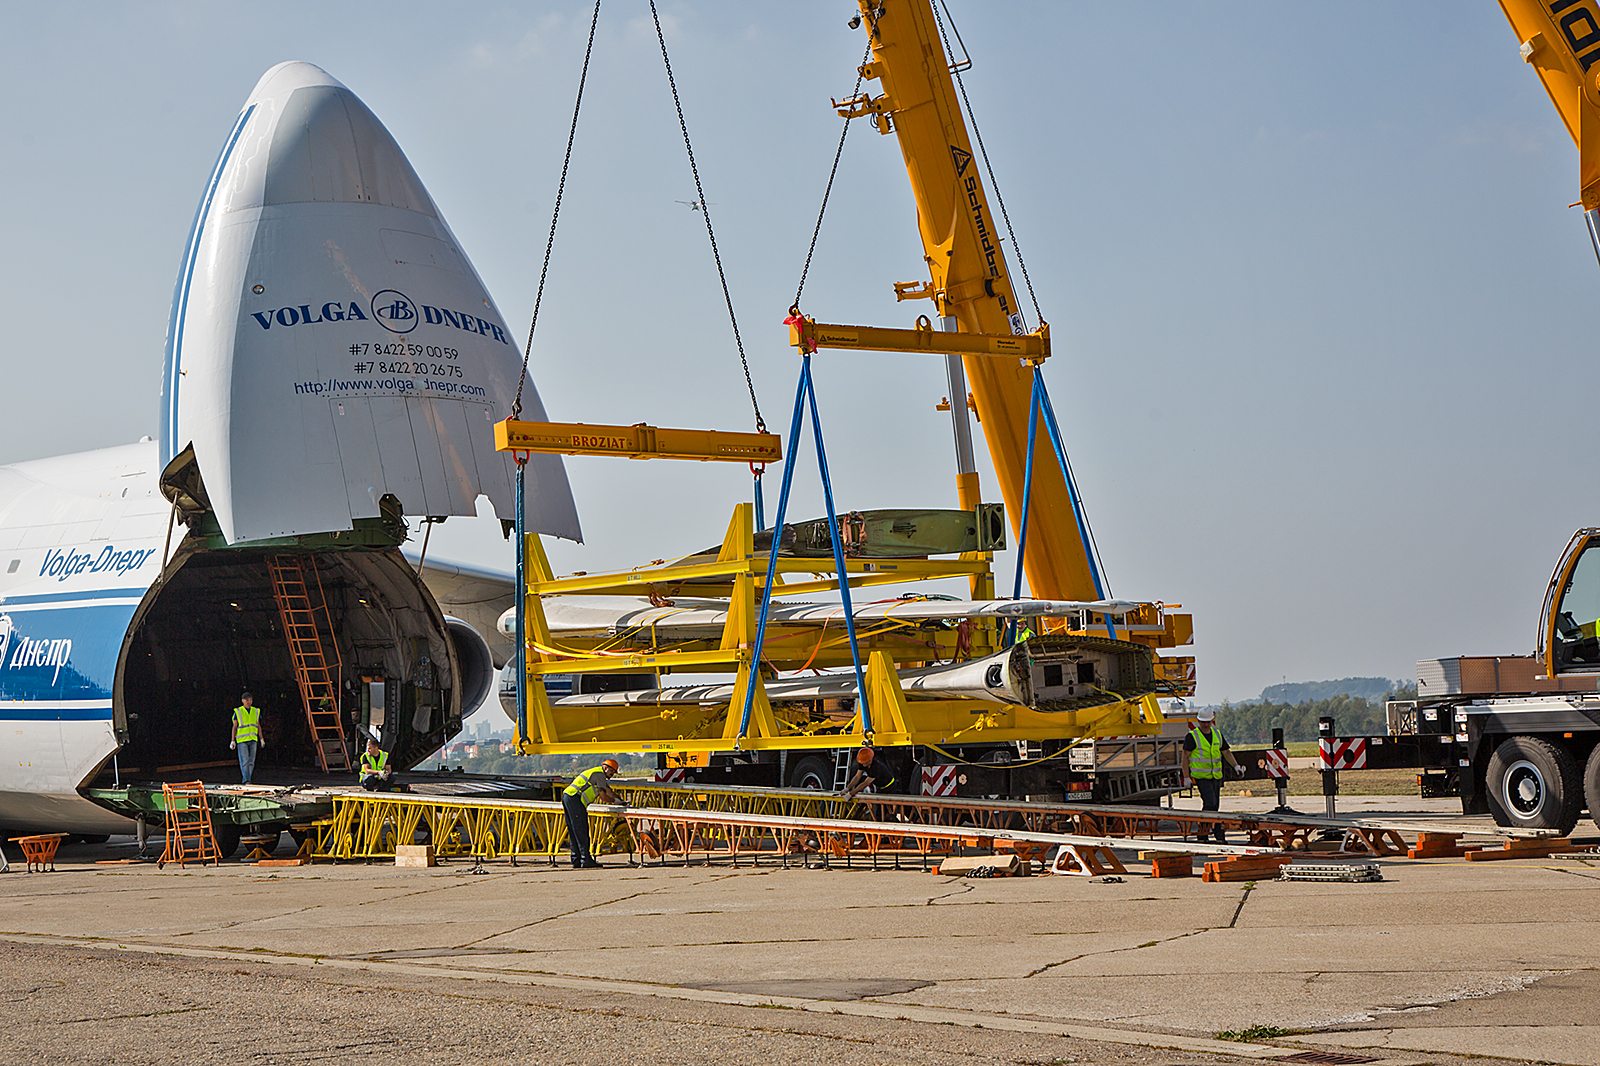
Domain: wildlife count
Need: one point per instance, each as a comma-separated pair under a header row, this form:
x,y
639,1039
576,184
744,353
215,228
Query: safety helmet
x,y
864,756
1206,714
611,766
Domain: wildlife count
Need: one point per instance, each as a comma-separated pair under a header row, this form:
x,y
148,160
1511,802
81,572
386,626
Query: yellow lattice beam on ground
x,y
368,826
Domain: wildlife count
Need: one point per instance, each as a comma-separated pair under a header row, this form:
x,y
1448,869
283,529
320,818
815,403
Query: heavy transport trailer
x,y
1117,769
1530,760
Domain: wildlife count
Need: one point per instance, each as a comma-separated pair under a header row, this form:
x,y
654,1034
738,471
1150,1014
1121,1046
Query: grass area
x,y
1351,783
1255,1032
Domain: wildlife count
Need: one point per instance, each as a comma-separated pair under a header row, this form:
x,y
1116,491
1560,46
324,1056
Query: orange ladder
x,y
318,680
189,835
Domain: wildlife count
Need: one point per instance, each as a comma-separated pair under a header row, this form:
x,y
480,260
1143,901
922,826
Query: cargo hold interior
x,y
212,629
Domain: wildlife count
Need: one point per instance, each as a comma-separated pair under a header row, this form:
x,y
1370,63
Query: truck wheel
x,y
1532,784
813,772
1591,784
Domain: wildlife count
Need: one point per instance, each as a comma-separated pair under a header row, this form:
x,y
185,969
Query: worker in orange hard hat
x,y
592,784
869,770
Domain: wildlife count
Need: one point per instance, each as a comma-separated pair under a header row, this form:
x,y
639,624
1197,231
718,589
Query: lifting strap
x,y
1041,405
805,397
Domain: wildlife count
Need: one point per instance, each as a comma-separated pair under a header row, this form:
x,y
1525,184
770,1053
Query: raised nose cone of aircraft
x,y
330,342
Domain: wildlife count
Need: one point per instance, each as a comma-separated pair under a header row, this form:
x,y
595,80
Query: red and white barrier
x,y
939,780
1276,763
672,775
1347,754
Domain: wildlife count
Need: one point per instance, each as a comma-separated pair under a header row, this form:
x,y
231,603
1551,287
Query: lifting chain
x,y
544,272
705,209
794,309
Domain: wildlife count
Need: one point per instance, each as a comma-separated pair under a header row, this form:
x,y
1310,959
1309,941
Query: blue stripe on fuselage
x,y
85,594
180,298
60,663
51,711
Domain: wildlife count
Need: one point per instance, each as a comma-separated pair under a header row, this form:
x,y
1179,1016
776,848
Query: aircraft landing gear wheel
x,y
1532,784
1591,784
813,772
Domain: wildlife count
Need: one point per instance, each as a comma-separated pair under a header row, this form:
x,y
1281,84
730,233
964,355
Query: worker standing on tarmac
x,y
592,784
870,770
1204,751
246,735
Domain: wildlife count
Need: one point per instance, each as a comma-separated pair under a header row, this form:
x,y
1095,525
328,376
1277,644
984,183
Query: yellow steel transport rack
x,y
637,441
741,572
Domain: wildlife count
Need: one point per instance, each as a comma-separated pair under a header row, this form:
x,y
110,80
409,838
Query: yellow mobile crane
x,y
934,682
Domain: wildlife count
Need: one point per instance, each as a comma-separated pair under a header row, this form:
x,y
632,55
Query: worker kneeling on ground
x,y
376,773
592,784
870,770
1204,751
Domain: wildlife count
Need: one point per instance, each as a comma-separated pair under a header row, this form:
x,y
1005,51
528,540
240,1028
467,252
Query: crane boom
x,y
971,280
1561,41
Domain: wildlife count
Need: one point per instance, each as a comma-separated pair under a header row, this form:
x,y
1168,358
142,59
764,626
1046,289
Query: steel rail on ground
x,y
1286,830
368,825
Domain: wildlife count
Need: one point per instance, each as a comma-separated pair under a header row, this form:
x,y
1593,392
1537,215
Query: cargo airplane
x,y
333,362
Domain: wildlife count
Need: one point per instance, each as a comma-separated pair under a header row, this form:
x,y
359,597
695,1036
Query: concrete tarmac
x,y
1443,961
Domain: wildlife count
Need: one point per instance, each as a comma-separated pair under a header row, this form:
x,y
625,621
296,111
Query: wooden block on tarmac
x,y
1170,864
1245,868
1441,852
1002,865
283,862
414,855
1440,846
1538,848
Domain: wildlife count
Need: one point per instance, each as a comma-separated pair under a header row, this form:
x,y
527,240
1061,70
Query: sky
x,y
1316,296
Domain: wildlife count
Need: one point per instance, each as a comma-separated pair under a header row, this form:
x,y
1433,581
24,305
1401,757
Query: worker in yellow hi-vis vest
x,y
1204,751
376,774
246,735
592,784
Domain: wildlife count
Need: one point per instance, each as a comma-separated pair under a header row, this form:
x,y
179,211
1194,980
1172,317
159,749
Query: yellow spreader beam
x,y
637,441
811,334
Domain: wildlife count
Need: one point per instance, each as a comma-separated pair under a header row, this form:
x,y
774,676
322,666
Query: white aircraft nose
x,y
330,342
311,140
